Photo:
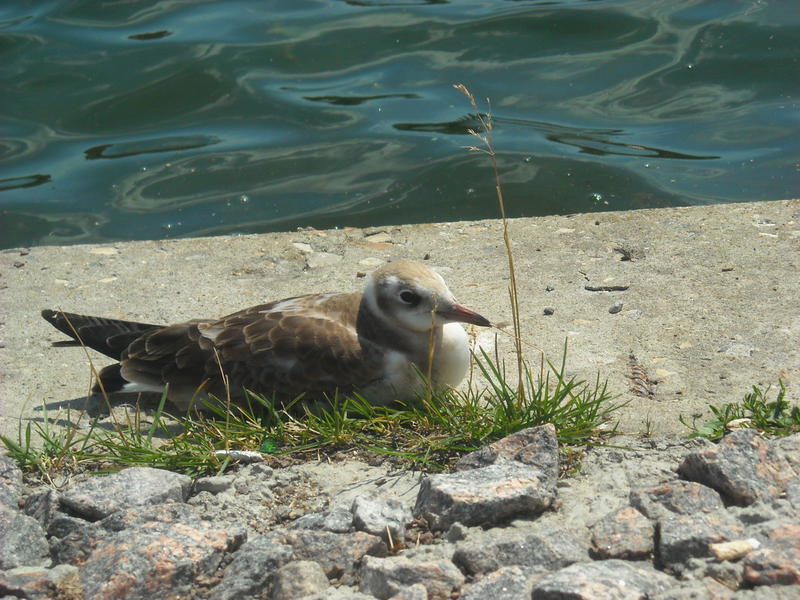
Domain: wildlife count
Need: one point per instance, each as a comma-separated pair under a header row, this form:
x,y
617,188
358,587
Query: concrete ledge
x,y
710,296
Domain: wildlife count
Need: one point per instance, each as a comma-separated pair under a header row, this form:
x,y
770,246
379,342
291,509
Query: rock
x,y
742,468
22,541
615,307
386,577
213,485
72,540
42,505
98,497
252,569
298,578
539,549
154,553
704,589
337,553
415,592
777,562
340,593
485,496
602,579
385,518
10,482
625,533
535,446
507,583
682,537
675,497
38,583
337,520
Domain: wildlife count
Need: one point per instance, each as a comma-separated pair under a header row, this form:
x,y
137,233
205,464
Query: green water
x,y
151,119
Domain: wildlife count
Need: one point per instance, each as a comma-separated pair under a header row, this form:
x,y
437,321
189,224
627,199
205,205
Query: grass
x,y
773,418
429,434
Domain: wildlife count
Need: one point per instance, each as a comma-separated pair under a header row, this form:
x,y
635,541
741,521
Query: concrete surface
x,y
710,297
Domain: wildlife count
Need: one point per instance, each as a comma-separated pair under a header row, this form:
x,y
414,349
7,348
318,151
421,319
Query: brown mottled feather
x,y
280,353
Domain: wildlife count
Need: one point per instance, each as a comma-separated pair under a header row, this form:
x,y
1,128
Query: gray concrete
x,y
712,304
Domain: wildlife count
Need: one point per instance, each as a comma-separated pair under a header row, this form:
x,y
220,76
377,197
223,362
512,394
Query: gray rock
x,y
683,537
743,467
98,497
72,540
338,520
298,578
777,562
536,446
384,517
385,577
42,504
675,497
22,540
787,449
155,553
10,482
340,593
485,496
38,583
704,589
625,533
213,485
615,307
539,549
602,579
337,553
252,569
507,583
793,492
415,592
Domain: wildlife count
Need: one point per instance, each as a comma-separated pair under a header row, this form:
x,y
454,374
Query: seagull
x,y
374,344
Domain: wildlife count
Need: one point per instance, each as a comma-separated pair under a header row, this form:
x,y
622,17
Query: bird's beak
x,y
462,314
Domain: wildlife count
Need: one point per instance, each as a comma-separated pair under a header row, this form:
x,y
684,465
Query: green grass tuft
x,y
429,434
774,418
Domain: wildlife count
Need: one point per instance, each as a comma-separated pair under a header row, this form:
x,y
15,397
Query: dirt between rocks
x,y
658,519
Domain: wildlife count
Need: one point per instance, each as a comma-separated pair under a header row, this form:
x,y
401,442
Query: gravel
x,y
666,519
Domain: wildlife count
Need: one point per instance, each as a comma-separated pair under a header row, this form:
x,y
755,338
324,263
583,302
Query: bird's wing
x,y
305,345
109,336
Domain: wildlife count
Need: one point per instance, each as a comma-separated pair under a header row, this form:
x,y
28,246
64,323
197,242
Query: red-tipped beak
x,y
462,314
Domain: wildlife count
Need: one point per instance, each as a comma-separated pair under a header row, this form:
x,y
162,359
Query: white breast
x,y
451,362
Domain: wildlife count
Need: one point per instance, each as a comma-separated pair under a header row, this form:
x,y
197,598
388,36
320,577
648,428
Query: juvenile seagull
x,y
316,345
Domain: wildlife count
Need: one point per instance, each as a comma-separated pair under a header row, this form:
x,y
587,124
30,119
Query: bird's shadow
x,y
107,412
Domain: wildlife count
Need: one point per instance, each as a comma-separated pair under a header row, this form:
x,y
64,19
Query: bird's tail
x,y
108,336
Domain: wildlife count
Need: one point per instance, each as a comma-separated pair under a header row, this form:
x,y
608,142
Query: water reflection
x,y
342,113
152,146
15,183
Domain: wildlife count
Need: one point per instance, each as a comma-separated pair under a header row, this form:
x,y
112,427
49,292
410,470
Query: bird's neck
x,y
379,330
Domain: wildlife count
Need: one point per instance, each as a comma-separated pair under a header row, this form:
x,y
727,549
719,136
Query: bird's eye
x,y
409,297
